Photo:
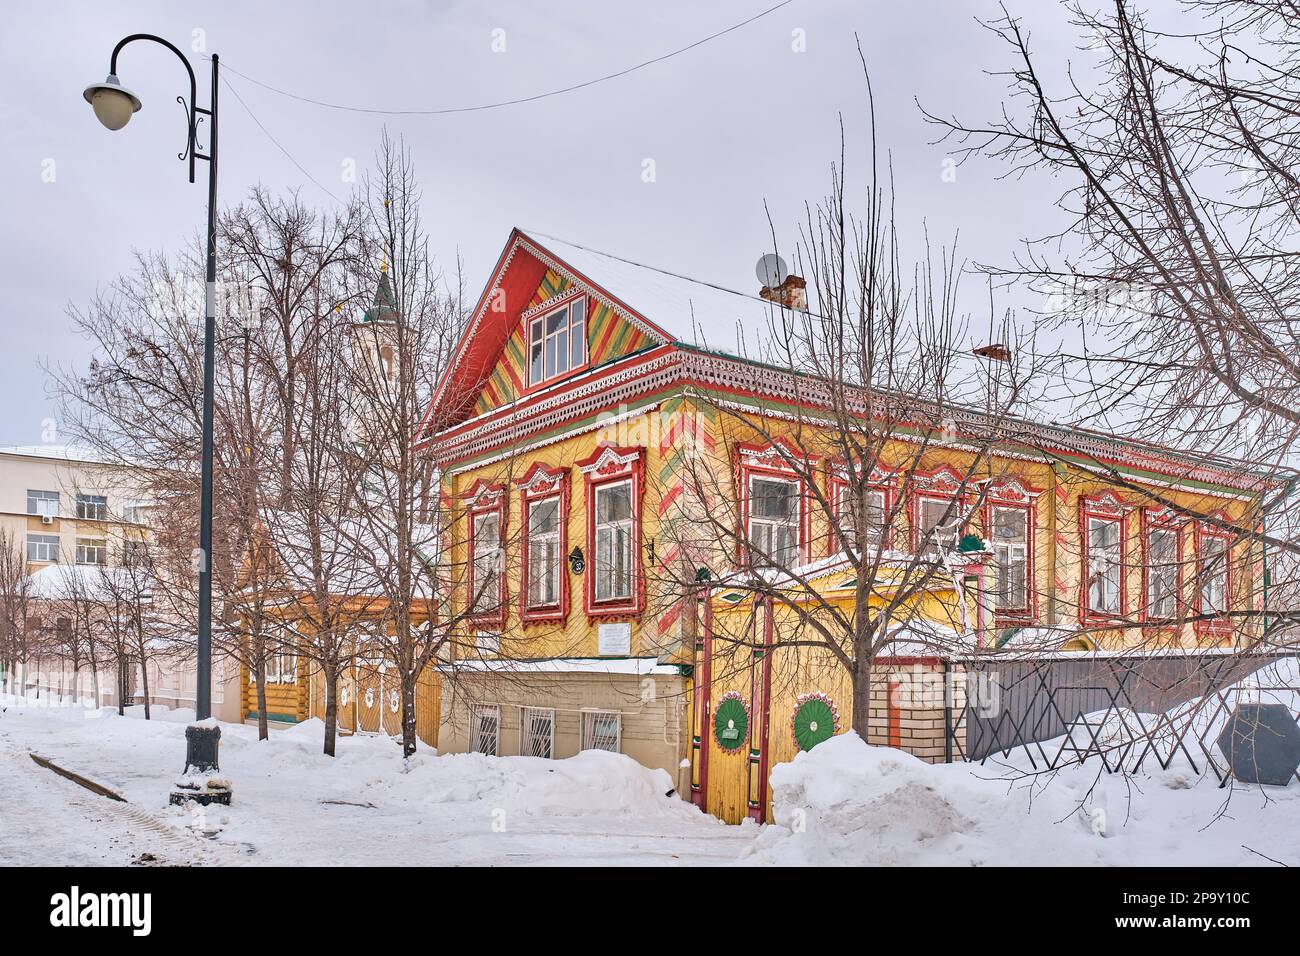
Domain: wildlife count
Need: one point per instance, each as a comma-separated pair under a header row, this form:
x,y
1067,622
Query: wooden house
x,y
577,393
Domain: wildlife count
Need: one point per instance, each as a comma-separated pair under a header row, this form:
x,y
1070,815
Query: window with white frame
x,y
537,727
544,558
1010,532
484,729
1214,574
557,342
938,520
42,547
874,501
92,507
284,665
1105,565
615,541
133,510
281,668
602,730
774,520
135,553
92,551
43,503
485,572
1162,573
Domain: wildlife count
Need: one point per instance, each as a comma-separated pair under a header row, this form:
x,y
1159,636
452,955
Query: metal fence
x,y
1125,709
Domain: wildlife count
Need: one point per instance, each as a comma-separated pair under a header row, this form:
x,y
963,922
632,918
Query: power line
x,y
287,154
512,102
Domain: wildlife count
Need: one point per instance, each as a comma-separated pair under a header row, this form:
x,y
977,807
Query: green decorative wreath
x,y
815,720
731,722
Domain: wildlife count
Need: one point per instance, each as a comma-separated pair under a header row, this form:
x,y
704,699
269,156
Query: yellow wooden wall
x,y
369,707
685,438
285,702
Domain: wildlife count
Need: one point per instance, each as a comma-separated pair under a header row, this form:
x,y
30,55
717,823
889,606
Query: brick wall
x,y
907,707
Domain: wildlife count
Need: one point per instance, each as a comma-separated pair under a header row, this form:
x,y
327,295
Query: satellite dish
x,y
771,270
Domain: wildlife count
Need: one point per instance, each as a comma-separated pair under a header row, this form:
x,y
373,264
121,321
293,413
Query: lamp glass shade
x,y
112,104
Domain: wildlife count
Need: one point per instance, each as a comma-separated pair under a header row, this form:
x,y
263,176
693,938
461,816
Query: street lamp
x,y
114,105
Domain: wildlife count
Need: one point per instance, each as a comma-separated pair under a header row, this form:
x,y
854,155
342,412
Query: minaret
x,y
373,334
373,347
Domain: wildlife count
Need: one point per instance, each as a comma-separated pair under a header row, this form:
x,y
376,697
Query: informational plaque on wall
x,y
615,639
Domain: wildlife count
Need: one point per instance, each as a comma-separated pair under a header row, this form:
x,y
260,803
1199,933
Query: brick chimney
x,y
790,294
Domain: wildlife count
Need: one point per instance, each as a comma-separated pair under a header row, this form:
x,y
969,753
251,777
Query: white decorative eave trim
x,y
489,495
622,381
879,476
1010,489
543,484
555,265
1106,502
609,462
945,480
557,301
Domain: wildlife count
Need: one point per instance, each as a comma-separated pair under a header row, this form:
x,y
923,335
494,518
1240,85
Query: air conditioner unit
x,y
47,519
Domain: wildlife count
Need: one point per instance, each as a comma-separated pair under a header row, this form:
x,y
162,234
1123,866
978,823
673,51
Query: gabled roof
x,y
667,307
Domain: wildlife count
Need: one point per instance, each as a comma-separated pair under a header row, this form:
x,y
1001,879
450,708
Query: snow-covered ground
x,y
293,805
842,803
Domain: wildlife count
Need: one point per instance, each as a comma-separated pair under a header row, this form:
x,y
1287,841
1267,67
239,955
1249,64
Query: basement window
x,y
538,729
602,730
485,729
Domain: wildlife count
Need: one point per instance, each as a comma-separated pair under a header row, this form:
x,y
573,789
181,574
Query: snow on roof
x,y
56,452
637,666
354,553
689,310
90,581
920,637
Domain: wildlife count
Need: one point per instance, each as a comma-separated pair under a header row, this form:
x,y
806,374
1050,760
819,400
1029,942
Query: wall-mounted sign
x,y
731,721
614,640
577,563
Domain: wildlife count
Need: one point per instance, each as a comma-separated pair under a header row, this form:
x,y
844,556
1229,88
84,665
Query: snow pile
x,y
1180,737
1275,683
591,782
845,803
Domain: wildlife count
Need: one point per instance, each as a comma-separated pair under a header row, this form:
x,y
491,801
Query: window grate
x,y
485,729
602,730
538,729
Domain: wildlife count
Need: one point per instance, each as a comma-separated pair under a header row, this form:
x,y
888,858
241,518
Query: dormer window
x,y
557,341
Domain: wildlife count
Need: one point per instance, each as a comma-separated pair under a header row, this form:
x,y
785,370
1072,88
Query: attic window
x,y
557,342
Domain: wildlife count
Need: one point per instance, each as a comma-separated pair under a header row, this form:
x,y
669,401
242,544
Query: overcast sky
x,y
748,118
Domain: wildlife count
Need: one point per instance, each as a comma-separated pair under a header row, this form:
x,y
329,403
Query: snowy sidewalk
x,y
842,803
596,809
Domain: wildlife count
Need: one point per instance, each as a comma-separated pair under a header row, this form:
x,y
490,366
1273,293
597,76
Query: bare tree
x,y
878,383
15,609
402,344
1176,263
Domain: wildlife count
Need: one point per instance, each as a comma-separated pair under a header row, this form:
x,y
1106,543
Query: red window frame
x,y
1204,531
942,484
485,498
773,460
607,465
883,480
543,310
541,483
1109,506
1012,494
1162,519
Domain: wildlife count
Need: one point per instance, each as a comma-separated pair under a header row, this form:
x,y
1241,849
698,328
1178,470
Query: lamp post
x,y
114,105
